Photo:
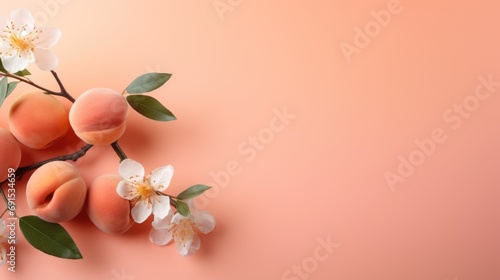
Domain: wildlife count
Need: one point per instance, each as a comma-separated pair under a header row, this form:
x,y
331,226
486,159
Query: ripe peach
x,y
105,208
98,116
56,192
10,153
37,120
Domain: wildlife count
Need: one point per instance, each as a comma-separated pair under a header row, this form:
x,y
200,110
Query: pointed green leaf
x,y
183,208
23,73
150,108
193,192
2,69
148,82
4,86
10,87
49,238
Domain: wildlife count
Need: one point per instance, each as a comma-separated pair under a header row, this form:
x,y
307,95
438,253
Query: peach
x,y
105,208
56,192
10,153
37,120
98,116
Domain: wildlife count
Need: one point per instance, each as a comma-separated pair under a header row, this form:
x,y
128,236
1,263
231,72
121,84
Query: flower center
x,y
18,43
144,190
19,39
184,231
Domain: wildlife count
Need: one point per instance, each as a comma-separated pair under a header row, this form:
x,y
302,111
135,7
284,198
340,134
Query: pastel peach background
x,y
322,175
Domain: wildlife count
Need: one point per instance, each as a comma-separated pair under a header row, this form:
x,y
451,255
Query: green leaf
x,y
150,108
49,238
193,192
10,87
4,86
23,73
148,82
183,208
2,69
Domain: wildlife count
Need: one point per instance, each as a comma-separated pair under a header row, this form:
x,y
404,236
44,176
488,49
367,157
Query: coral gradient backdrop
x,y
350,140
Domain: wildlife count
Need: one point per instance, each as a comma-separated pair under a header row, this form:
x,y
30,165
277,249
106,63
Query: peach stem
x,y
118,150
63,92
73,157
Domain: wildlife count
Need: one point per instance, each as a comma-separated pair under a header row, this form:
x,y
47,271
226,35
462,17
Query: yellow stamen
x,y
184,231
20,44
19,39
145,191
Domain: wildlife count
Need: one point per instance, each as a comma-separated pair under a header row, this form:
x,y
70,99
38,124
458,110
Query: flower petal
x,y
161,206
45,59
3,23
164,223
160,177
22,17
15,63
4,47
48,37
183,246
177,218
141,211
131,170
125,190
160,237
204,222
195,245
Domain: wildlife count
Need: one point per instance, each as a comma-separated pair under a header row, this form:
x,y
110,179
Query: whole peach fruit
x,y
56,192
98,116
105,208
37,120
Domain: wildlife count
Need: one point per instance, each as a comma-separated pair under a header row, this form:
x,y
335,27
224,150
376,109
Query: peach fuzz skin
x,y
56,192
37,120
98,116
10,153
106,209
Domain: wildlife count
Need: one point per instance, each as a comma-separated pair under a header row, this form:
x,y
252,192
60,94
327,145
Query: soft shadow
x,y
209,241
137,137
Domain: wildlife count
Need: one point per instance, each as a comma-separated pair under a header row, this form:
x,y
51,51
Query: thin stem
x,y
29,82
64,92
73,157
5,200
3,194
4,211
118,150
173,203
